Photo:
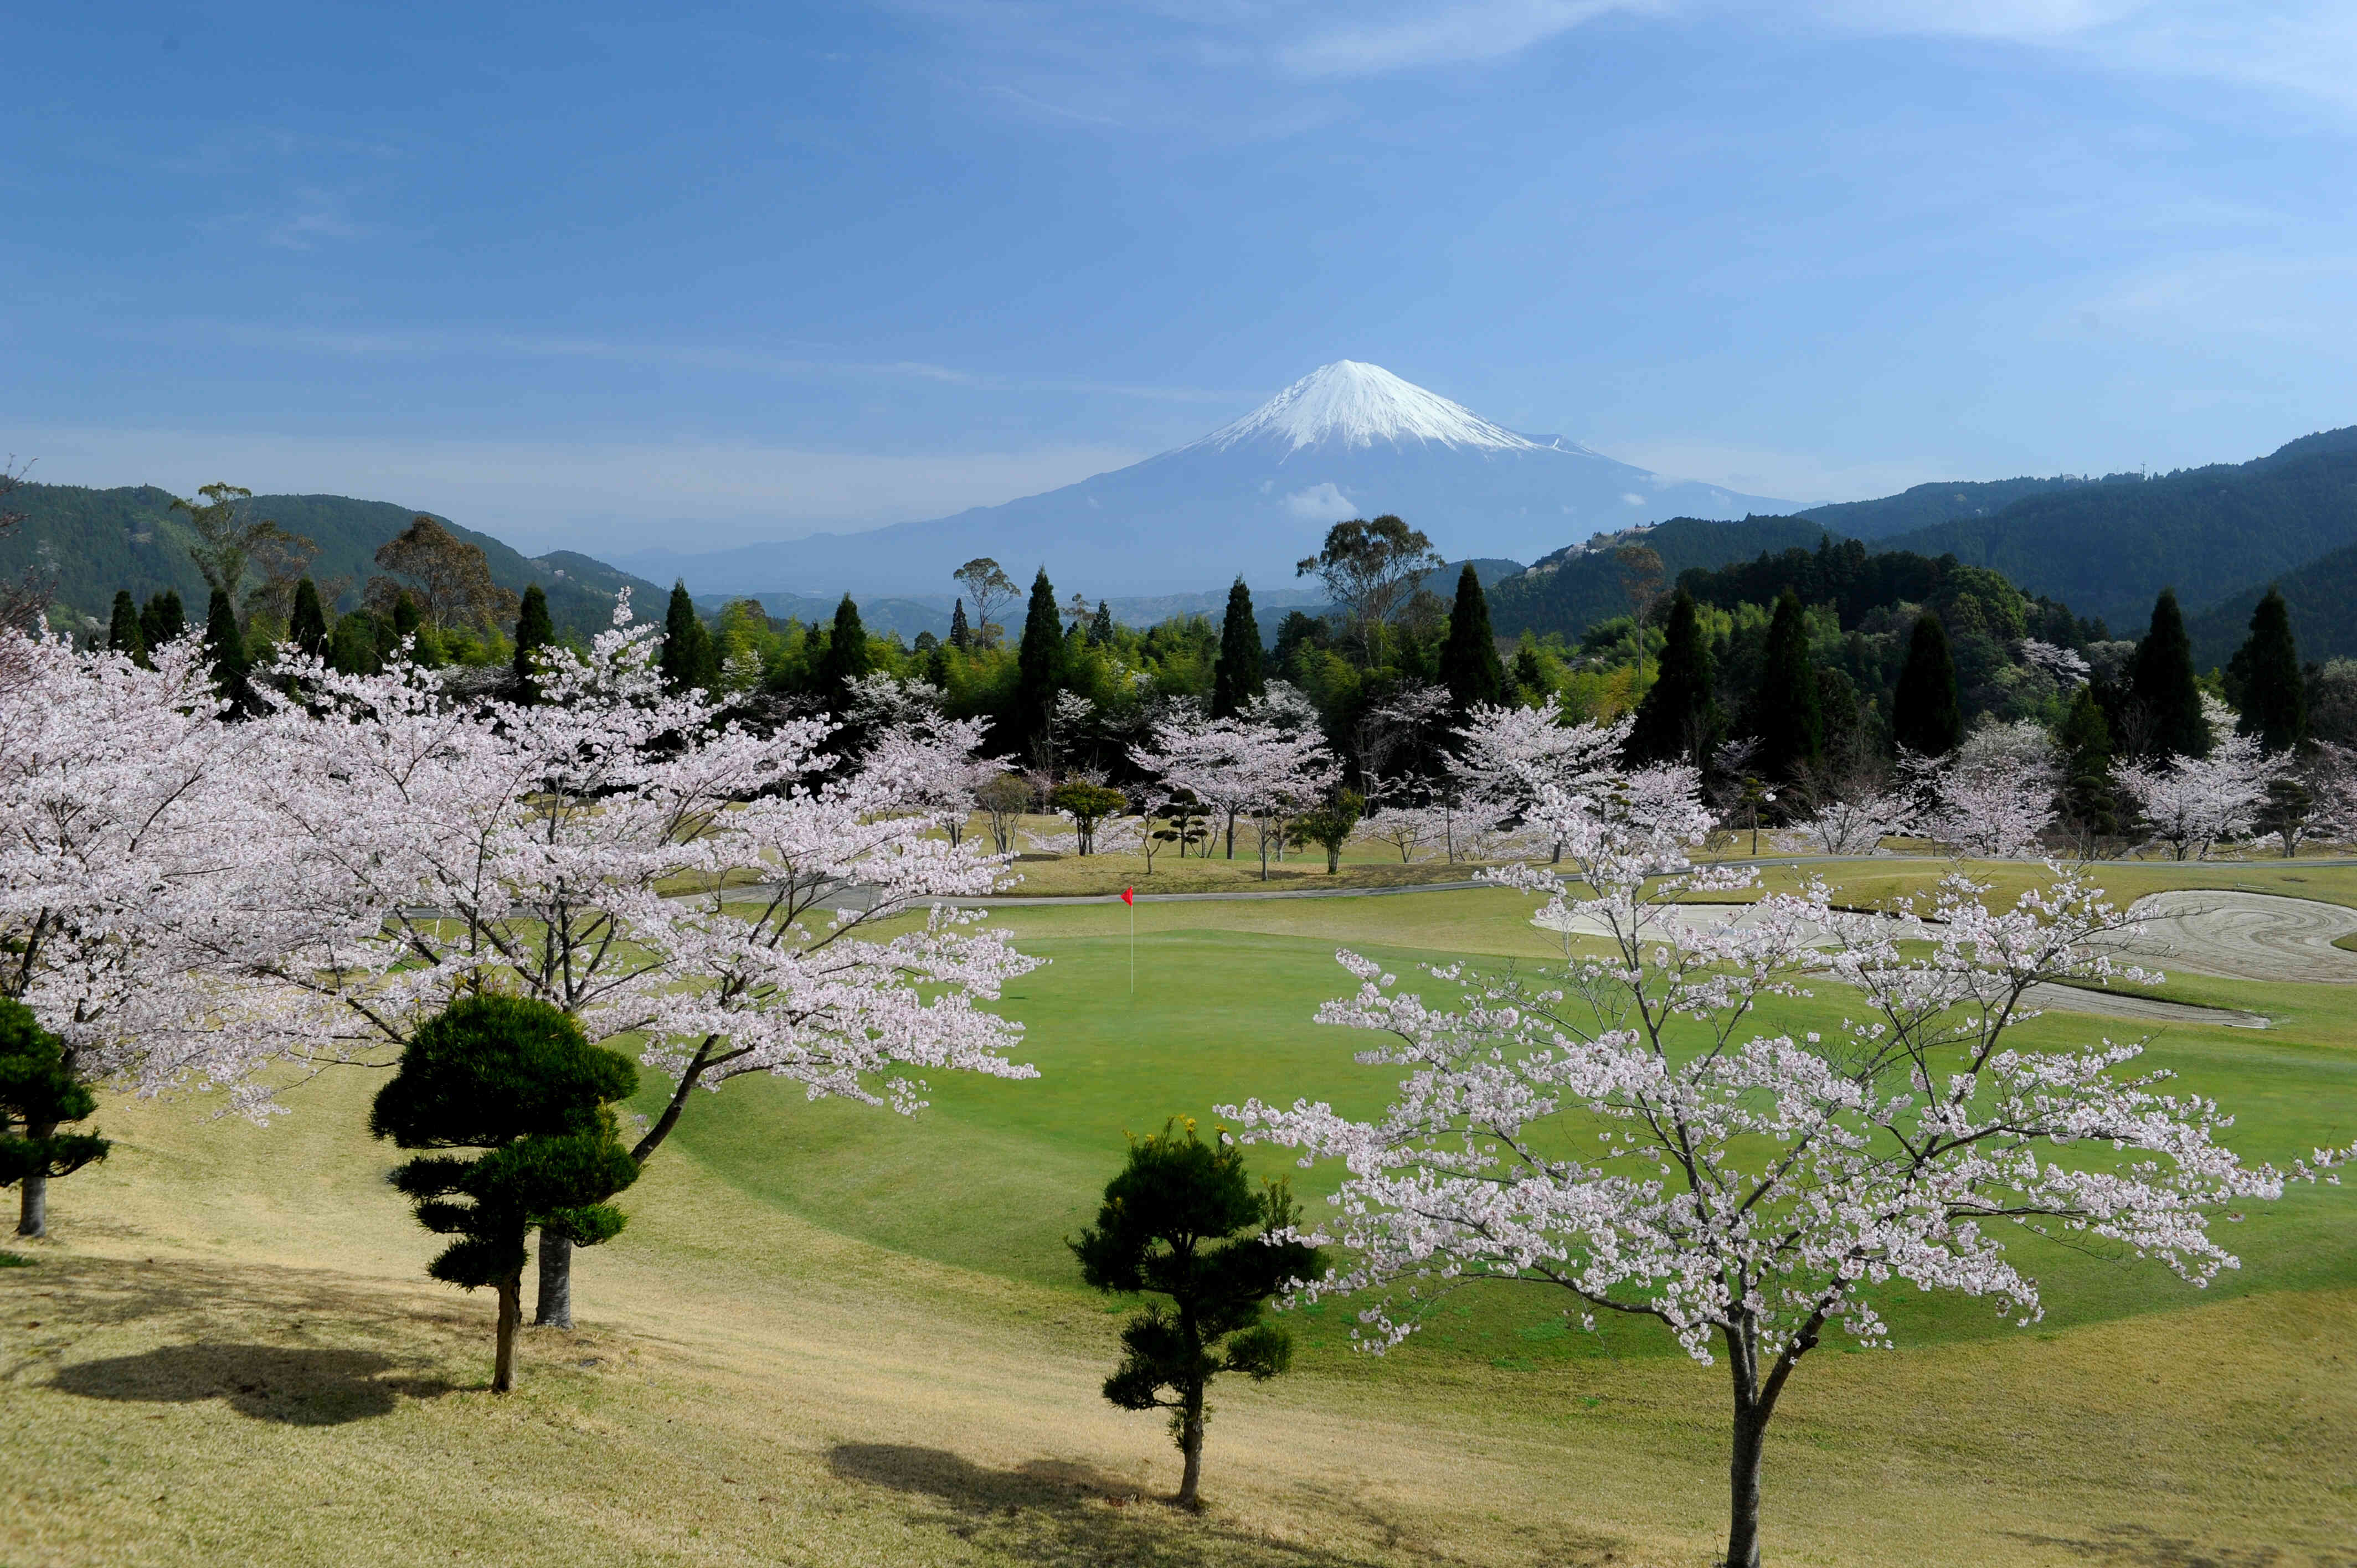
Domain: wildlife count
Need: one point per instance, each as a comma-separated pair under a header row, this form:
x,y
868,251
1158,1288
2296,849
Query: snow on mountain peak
x,y
1350,404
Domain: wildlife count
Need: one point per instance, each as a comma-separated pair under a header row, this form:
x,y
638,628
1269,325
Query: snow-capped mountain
x,y
1252,496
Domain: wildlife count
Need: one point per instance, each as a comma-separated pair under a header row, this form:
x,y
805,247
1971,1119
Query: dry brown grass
x,y
229,1356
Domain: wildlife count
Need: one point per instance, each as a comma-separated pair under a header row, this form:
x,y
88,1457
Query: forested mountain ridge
x,y
2106,549
1922,506
2322,597
1582,585
93,542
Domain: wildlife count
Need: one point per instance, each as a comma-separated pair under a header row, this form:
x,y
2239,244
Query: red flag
x,y
1126,896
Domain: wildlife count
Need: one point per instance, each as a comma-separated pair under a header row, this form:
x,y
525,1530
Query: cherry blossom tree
x,y
1406,829
2189,803
1617,1132
1504,756
1996,793
626,855
1853,803
128,840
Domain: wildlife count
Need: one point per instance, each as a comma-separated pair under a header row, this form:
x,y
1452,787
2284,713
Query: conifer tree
x,y
226,643
534,631
1101,629
1784,708
2161,685
1236,674
306,624
2089,807
1470,666
407,623
40,1091
1183,1221
123,633
162,619
516,1078
687,655
2265,679
1038,663
1530,676
1926,716
1677,720
846,654
961,634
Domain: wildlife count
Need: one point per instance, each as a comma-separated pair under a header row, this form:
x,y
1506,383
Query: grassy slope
x,y
834,1336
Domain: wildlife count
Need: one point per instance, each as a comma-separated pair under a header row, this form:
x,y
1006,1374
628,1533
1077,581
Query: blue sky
x,y
607,276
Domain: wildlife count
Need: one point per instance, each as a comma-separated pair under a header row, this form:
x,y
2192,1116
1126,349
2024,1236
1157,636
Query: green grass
x,y
835,1336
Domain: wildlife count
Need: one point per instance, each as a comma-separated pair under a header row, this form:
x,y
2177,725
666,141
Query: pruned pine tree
x,y
40,1094
1184,1221
518,1080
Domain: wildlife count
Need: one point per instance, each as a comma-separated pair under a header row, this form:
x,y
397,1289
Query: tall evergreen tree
x,y
961,634
1038,663
1926,716
123,633
161,619
846,654
534,631
226,643
2265,679
306,624
1677,721
1530,676
1784,711
2089,808
1101,628
1470,666
1236,674
687,655
2161,688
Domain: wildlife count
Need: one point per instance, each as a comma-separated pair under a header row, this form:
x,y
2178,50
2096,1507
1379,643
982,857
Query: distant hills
x,y
95,542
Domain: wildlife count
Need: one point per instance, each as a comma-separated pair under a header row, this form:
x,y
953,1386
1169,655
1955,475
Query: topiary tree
x,y
515,1078
1926,716
123,633
1236,677
534,631
39,1093
1087,804
1183,1220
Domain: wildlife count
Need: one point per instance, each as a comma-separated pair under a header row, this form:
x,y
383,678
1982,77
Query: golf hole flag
x,y
1129,896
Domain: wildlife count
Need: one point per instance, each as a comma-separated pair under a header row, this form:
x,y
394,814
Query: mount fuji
x,y
1254,496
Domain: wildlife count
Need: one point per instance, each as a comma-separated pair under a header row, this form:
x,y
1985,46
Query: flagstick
x,y
1133,951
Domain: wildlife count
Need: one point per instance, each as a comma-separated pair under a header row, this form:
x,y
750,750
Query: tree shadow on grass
x,y
1055,1513
294,1386
2136,1546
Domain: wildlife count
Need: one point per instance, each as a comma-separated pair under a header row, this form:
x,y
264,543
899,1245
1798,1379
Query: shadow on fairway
x,y
1054,1511
269,1382
2134,1546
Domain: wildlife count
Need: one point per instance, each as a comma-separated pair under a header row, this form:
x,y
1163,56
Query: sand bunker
x,y
2244,936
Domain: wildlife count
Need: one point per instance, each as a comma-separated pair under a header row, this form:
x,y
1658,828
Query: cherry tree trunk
x,y
1743,1485
510,1291
554,1307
